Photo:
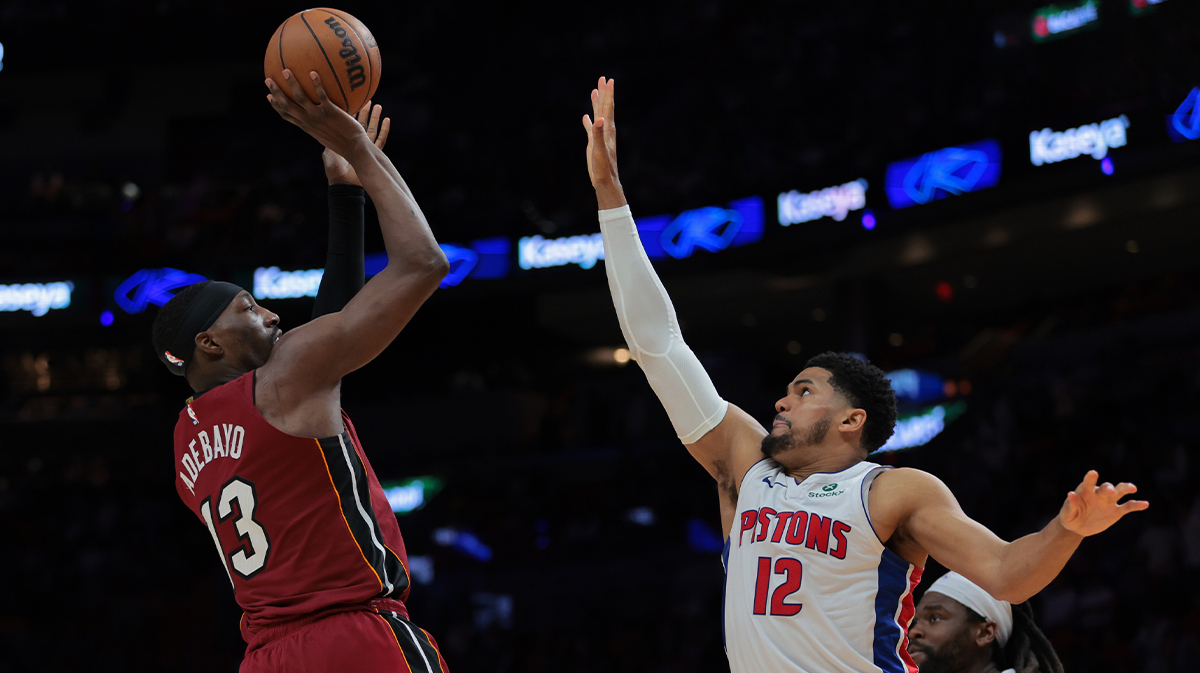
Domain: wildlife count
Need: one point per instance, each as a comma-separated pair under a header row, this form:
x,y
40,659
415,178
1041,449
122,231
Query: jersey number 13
x,y
250,556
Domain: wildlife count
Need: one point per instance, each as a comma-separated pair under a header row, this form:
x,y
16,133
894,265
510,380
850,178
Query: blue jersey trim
x,y
724,587
893,585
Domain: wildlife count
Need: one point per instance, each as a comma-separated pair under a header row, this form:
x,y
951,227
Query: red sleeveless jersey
x,y
301,524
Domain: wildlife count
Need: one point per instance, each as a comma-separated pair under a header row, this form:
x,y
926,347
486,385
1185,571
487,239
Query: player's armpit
x,y
730,449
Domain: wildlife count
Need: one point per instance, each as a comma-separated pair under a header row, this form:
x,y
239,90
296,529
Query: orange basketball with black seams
x,y
335,45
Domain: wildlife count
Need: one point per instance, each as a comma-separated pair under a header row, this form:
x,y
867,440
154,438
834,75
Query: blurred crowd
x,y
718,100
602,532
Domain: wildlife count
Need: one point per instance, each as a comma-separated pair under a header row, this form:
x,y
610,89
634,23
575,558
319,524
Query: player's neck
x,y
826,461
985,667
212,377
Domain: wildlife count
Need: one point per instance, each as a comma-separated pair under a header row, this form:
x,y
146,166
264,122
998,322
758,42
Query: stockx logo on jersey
x,y
827,491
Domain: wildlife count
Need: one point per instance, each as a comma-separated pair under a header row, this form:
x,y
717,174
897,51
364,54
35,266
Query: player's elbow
x,y
1011,590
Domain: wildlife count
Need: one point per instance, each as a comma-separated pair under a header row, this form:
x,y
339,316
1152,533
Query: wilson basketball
x,y
335,45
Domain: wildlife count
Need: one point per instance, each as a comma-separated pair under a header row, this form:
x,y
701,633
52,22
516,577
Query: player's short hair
x,y
170,317
865,387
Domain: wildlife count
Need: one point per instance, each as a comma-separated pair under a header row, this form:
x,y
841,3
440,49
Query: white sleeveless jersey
x,y
809,587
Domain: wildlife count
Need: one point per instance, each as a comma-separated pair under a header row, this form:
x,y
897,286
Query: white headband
x,y
963,590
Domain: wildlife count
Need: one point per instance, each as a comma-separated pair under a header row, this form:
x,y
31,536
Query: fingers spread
x,y
1124,489
1133,506
383,132
373,124
1089,482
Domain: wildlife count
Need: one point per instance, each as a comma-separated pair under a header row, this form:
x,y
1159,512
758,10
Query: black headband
x,y
204,310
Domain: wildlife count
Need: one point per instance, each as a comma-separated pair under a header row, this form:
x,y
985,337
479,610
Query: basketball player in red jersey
x,y
823,547
271,465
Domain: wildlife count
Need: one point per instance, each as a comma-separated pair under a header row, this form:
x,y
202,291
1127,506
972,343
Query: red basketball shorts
x,y
372,641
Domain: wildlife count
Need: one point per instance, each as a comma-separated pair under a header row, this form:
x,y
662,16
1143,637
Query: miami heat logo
x,y
172,359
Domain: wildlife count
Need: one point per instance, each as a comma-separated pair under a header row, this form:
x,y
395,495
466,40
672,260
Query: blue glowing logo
x,y
481,258
1184,125
945,172
713,229
462,261
152,286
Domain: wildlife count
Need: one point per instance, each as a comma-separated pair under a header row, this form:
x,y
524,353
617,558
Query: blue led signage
x,y
37,298
911,385
945,172
836,202
483,258
535,252
1048,147
272,283
713,229
1184,125
152,286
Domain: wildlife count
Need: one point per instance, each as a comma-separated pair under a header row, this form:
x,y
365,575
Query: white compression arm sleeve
x,y
648,322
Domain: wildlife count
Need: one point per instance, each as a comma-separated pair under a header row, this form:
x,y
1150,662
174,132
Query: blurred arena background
x,y
1037,296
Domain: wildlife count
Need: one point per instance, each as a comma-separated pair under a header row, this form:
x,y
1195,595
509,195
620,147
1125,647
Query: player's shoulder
x,y
908,487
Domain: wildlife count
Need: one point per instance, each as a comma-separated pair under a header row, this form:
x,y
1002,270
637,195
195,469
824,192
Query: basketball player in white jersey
x,y
822,548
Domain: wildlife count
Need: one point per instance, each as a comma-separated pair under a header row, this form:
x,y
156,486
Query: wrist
x,y
1059,529
610,195
358,149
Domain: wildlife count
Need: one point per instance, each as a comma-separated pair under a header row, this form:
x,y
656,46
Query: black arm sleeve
x,y
344,275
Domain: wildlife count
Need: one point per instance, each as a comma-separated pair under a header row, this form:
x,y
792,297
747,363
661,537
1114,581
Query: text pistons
x,y
797,528
349,53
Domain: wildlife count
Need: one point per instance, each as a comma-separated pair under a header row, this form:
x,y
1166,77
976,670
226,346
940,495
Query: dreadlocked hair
x,y
865,387
1028,650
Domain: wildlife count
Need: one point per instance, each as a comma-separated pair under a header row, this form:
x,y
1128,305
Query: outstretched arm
x,y
723,439
344,275
317,355
920,508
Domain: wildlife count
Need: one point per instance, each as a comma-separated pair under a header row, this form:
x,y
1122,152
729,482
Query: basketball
x,y
335,45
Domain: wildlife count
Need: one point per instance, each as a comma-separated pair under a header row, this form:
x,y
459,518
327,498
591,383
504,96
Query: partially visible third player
x,y
823,548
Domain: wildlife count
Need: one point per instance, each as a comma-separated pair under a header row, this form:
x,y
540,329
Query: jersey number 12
x,y
793,572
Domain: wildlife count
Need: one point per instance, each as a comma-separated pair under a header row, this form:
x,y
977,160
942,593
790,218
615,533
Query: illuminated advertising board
x,y
535,252
152,286
920,428
37,298
942,173
1184,125
272,283
1048,147
713,229
483,258
1138,7
1055,21
836,202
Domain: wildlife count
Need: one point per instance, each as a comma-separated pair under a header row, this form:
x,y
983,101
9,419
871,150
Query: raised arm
x,y
723,438
344,262
916,509
317,355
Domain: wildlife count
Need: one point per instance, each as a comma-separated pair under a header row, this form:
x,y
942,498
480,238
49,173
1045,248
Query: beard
x,y
773,445
951,657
